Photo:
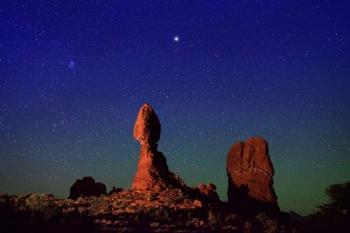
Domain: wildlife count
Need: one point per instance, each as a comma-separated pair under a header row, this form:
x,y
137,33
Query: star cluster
x,y
73,75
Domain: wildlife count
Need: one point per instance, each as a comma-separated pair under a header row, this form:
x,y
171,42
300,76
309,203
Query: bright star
x,y
176,39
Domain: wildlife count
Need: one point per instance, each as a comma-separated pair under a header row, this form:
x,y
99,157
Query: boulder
x,y
208,192
147,127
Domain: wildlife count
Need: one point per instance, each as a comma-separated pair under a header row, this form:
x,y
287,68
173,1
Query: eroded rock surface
x,y
250,173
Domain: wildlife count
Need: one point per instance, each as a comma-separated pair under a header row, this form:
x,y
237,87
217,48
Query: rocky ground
x,y
129,211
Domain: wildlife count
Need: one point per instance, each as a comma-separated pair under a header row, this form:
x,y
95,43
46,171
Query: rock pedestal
x,y
250,172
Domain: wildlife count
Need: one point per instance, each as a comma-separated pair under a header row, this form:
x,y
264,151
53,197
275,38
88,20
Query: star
x,y
176,39
71,64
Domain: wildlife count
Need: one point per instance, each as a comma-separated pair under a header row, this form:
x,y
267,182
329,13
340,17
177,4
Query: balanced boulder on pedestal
x,y
152,170
250,171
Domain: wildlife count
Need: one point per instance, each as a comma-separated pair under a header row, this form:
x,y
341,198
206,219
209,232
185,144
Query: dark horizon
x,y
74,75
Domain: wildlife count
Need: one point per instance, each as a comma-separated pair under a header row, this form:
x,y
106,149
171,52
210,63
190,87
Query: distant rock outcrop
x,y
86,187
209,192
250,172
152,170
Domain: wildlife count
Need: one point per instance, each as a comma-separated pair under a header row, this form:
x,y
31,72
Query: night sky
x,y
74,73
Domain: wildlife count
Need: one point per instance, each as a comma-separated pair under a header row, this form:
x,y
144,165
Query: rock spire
x,y
250,171
152,169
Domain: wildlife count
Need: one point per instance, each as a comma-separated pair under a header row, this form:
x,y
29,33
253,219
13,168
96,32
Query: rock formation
x,y
152,170
86,187
250,172
208,192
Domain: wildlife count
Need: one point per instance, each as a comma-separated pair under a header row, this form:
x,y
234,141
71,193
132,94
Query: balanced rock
x,y
152,170
147,127
86,187
250,171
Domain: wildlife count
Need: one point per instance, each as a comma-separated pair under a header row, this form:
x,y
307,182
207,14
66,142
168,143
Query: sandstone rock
x,y
209,192
152,170
86,187
250,173
170,211
115,190
99,206
197,203
147,126
38,204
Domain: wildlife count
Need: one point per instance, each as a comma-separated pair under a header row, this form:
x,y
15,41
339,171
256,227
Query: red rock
x,y
152,170
206,189
147,126
209,192
250,171
197,203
